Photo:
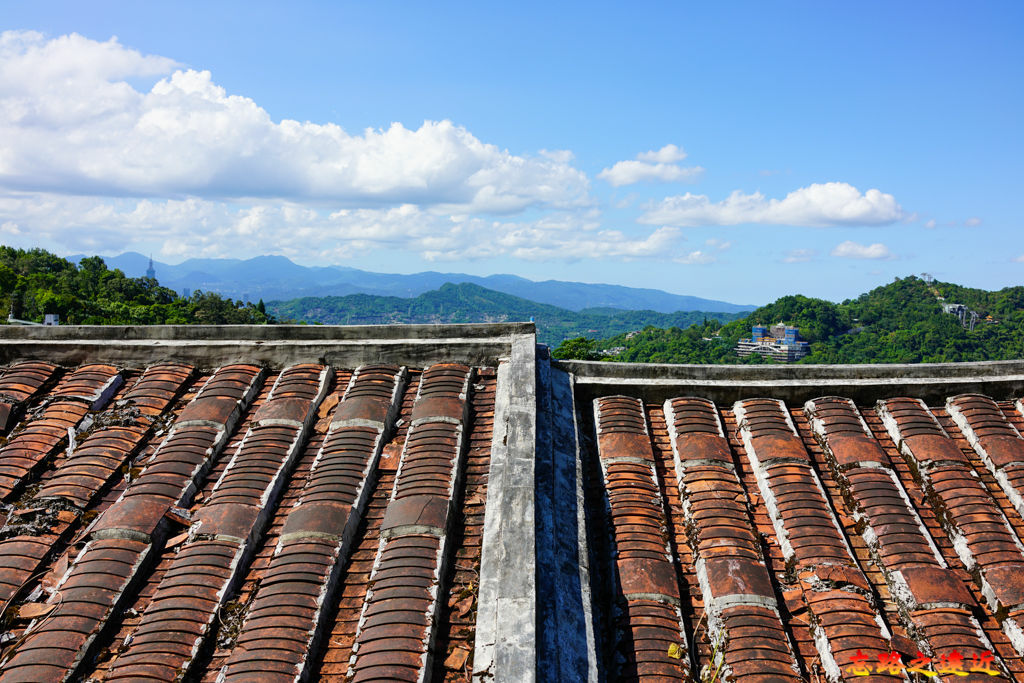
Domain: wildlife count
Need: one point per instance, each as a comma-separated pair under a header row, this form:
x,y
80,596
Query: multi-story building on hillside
x,y
780,341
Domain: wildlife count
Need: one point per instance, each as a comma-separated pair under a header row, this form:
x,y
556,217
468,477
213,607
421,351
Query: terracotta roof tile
x,y
283,521
648,588
414,533
317,533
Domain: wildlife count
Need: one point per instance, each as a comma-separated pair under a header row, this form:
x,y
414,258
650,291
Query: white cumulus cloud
x,y
818,205
669,154
851,249
210,228
654,166
72,122
103,149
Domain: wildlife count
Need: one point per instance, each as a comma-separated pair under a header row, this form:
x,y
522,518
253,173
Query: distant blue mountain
x,y
277,278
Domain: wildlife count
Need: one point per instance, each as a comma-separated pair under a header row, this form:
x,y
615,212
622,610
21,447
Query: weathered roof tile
x,y
331,524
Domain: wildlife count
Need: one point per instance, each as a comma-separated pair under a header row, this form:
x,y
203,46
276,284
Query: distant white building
x,y
968,318
780,342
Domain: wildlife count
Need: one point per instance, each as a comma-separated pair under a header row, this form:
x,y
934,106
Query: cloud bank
x,y
655,166
198,227
106,148
817,205
73,123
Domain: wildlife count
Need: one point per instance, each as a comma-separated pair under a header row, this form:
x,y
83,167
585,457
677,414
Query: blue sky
x,y
737,151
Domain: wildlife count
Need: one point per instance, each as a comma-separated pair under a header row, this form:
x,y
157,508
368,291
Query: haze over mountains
x,y
466,302
277,278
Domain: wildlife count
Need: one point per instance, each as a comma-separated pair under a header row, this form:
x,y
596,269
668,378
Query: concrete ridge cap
x,y
488,347
265,332
226,342
762,368
621,371
505,647
792,381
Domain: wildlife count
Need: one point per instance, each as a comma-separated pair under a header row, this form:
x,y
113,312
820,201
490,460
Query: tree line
x,y
34,282
900,322
471,303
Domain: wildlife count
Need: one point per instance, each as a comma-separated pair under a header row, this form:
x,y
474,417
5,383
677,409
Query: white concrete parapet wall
x,y
506,623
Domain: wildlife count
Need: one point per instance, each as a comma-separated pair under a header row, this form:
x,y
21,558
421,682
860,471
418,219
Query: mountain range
x,y
277,278
467,302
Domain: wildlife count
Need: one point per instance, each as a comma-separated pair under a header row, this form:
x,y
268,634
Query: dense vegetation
x,y
34,282
902,322
469,303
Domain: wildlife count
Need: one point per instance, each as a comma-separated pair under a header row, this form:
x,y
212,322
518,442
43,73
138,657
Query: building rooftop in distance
x,y
447,503
780,342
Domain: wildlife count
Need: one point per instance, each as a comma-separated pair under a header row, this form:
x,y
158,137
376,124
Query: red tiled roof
x,y
259,485
501,517
804,542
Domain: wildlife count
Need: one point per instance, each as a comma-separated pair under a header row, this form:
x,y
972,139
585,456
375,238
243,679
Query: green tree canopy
x,y
34,282
578,348
901,322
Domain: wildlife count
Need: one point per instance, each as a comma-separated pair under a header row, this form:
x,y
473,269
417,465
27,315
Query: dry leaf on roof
x,y
177,540
33,610
463,606
328,405
51,578
457,659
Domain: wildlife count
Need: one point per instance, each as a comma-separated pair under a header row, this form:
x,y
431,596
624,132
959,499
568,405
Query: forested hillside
x,y
34,282
901,322
468,303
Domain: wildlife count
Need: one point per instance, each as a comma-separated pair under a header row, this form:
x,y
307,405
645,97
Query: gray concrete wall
x,y
262,332
505,650
208,346
566,649
797,383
